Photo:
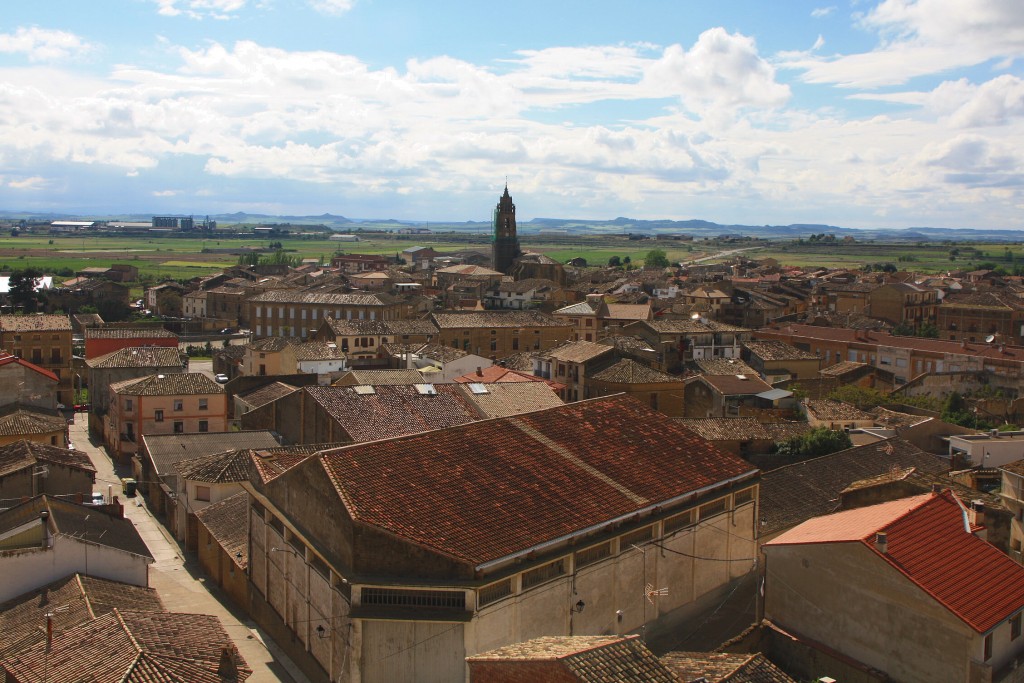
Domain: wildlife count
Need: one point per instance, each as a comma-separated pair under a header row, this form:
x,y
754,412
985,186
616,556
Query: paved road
x,y
179,581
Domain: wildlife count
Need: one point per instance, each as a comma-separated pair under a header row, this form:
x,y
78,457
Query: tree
x,y
818,441
656,258
23,293
614,262
626,261
168,302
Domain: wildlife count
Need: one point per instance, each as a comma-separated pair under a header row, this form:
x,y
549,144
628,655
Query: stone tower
x,y
505,243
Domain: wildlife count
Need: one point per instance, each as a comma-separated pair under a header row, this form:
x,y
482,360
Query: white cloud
x,y
819,12
923,37
164,193
332,7
200,9
33,183
42,45
721,70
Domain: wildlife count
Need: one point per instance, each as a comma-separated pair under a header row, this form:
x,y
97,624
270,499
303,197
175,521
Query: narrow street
x,y
180,581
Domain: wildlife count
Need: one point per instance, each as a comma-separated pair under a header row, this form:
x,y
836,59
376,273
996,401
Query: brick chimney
x,y
882,542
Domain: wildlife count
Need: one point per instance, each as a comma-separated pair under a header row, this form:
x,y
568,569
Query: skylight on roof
x,y
365,390
478,388
426,389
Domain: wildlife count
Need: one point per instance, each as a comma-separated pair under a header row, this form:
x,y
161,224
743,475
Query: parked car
x,y
221,379
97,499
81,407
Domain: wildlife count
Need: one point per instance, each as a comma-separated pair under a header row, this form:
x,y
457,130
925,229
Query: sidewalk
x,y
180,582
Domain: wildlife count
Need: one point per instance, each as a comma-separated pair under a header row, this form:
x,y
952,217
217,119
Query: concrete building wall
x,y
822,592
19,384
49,349
222,568
59,480
496,343
27,569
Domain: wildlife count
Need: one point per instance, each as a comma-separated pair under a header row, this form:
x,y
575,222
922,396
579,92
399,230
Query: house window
x,y
494,592
203,403
654,401
179,405
204,426
203,493
679,522
543,573
1015,627
128,405
158,416
179,427
405,597
988,647
593,554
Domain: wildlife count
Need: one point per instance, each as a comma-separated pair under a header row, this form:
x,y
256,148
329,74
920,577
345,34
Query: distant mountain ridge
x,y
580,226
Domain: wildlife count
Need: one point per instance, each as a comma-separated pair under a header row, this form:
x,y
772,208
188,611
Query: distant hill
x,y
581,226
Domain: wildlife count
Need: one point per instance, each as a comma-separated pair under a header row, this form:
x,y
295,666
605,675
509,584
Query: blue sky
x,y
874,113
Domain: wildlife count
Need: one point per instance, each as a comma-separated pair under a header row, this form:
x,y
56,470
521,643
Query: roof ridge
x,y
128,632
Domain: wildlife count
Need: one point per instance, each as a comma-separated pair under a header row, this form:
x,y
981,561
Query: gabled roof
x,y
128,333
628,371
21,454
8,359
829,409
929,544
71,601
393,409
376,378
774,349
494,319
167,450
270,463
227,521
724,667
136,647
578,351
794,493
138,357
18,420
487,490
584,659
496,374
724,366
627,312
503,399
36,322
581,308
69,519
269,393
736,385
173,384
314,351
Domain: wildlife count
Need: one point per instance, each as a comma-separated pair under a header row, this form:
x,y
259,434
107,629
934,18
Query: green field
x,y
184,258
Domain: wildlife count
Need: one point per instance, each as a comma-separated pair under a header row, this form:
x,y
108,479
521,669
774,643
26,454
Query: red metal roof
x,y
928,544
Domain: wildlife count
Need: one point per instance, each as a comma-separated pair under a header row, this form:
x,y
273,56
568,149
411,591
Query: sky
x,y
863,113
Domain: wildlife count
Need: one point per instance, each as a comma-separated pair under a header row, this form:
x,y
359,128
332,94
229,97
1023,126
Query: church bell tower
x,y
505,243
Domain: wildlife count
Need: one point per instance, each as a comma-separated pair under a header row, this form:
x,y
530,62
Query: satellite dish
x,y
990,338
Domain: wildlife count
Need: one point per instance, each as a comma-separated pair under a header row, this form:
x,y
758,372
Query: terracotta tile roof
x,y
522,362
841,368
927,543
393,409
586,659
577,352
836,334
734,385
35,323
21,454
1015,467
22,421
7,359
463,269
725,428
773,349
174,384
377,378
441,353
722,667
271,463
381,327
313,350
493,319
497,374
167,450
128,333
503,399
218,468
73,600
136,647
292,296
794,493
138,357
724,366
581,308
272,344
628,371
692,326
628,312
228,523
266,394
486,490
829,409
69,519
891,418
